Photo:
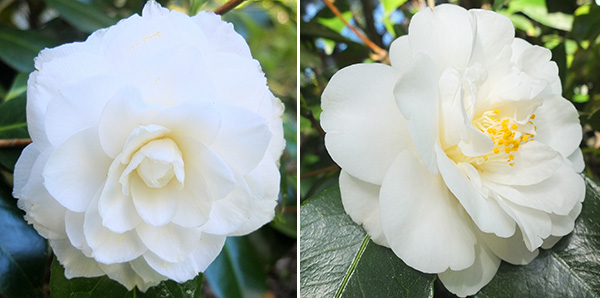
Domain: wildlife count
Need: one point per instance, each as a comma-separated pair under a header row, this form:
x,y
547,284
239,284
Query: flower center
x,y
507,135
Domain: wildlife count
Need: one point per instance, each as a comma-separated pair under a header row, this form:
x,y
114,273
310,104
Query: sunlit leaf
x,y
536,9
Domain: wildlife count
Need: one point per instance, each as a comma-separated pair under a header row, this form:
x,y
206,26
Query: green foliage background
x,y
262,263
569,28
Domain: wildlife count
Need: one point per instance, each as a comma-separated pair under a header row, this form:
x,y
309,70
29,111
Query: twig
x,y
381,53
319,171
14,143
431,4
311,117
231,4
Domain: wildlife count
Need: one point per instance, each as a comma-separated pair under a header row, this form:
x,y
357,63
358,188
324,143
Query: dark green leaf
x,y
85,17
570,269
314,29
337,258
12,125
22,252
237,271
101,287
587,26
18,48
18,87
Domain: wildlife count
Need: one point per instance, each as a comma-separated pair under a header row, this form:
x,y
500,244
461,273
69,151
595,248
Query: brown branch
x,y
381,53
14,143
311,117
431,4
319,171
231,4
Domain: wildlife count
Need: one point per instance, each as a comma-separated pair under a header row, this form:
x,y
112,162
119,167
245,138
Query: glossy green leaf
x,y
570,269
18,87
537,10
101,287
13,125
237,271
337,258
18,48
85,17
22,252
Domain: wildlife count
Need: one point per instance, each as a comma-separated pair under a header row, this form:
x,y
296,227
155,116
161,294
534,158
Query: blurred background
x,y
569,28
262,264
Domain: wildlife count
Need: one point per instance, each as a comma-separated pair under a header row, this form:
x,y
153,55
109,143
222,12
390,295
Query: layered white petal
x,y
469,281
419,104
485,212
444,238
206,250
358,111
361,202
67,175
170,242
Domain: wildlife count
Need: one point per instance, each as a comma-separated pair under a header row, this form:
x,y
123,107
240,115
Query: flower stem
x,y
231,4
381,53
14,143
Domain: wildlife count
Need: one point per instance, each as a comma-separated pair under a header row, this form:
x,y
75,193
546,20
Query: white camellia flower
x,y
153,140
461,153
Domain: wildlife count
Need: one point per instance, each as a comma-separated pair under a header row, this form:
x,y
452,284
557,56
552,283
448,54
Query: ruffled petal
x,y
116,209
241,129
79,106
485,212
170,242
147,273
23,168
469,281
361,202
219,178
557,194
263,184
558,125
75,263
445,34
41,210
534,162
123,113
206,251
123,273
359,111
493,33
155,206
109,247
535,225
443,239
511,249
67,174
418,101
